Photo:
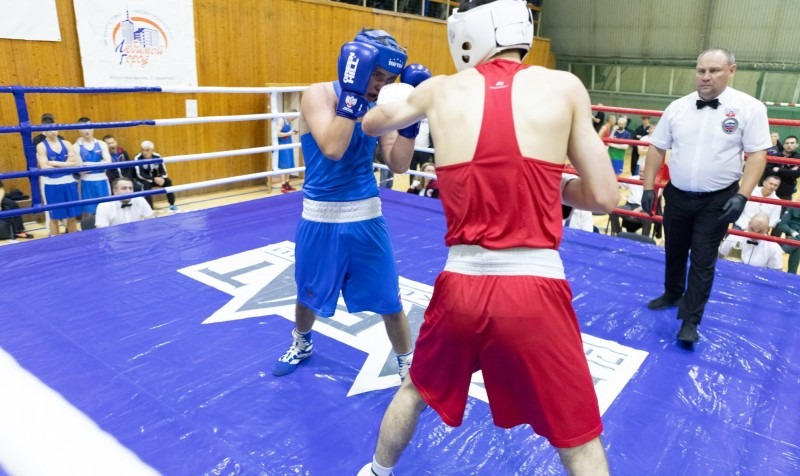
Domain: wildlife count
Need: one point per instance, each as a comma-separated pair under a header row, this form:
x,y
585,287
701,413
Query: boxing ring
x,y
114,365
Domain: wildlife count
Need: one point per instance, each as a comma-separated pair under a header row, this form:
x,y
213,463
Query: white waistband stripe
x,y
341,212
475,260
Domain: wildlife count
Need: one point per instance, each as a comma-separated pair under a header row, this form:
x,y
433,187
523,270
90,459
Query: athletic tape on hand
x,y
394,92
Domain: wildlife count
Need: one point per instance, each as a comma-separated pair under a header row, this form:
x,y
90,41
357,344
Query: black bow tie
x,y
125,205
713,104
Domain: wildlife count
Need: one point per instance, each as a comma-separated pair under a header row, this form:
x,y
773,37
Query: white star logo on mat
x,y
261,282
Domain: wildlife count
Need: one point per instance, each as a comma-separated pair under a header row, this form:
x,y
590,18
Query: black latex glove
x,y
648,200
733,208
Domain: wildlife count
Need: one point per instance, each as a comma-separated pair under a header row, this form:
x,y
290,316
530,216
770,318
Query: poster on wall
x,y
35,20
136,42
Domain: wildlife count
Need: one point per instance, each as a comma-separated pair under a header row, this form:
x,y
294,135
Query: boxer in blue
x,y
342,242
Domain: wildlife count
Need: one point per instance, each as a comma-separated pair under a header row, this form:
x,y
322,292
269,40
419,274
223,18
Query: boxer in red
x,y
502,305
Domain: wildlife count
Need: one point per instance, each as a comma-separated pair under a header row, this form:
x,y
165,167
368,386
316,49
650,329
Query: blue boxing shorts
x,y
59,193
345,246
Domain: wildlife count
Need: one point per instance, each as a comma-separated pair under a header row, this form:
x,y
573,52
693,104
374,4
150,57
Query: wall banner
x,y
29,20
136,43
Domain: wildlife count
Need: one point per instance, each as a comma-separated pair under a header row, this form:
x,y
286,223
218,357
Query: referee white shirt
x,y
114,213
707,144
764,254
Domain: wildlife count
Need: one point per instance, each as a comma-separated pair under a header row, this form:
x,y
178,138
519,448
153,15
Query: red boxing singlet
x,y
501,199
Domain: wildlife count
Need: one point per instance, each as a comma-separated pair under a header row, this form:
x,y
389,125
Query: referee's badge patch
x,y
730,125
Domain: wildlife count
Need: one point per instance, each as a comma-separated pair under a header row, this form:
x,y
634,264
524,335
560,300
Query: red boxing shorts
x,y
522,332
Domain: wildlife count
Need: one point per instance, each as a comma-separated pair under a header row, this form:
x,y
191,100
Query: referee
x,y
707,131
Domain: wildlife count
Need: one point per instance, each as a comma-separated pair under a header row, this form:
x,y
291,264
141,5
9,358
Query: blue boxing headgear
x,y
391,56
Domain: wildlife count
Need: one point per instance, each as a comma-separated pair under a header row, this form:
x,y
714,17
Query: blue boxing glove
x,y
413,75
357,61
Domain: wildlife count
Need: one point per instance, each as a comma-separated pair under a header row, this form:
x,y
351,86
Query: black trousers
x,y
691,223
16,222
150,185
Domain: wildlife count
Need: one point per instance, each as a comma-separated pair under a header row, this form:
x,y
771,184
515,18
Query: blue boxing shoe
x,y
299,351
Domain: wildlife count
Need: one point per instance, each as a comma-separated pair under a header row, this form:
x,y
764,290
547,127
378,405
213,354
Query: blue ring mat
x,y
164,334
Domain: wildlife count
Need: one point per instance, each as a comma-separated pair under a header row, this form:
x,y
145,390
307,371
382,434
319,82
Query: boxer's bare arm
x,y
596,190
390,117
331,132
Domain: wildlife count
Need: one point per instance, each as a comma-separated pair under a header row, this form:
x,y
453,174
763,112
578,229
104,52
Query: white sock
x,y
380,470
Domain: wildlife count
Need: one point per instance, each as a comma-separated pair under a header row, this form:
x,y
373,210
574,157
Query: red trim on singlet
x,y
501,199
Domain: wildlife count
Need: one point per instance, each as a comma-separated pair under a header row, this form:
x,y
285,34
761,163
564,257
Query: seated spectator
x,y
16,229
790,226
575,217
766,190
153,175
764,254
92,151
55,153
424,186
633,203
122,211
118,155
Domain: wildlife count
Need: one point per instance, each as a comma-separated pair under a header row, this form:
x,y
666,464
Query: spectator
x,y
47,118
787,173
777,147
605,129
119,155
153,175
123,211
16,229
708,132
92,151
790,226
766,190
599,119
55,153
424,186
633,203
642,131
285,156
617,151
764,254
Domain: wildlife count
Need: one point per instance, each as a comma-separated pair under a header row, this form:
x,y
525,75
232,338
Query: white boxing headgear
x,y
482,32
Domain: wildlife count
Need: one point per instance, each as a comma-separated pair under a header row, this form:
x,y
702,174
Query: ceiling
x,y
763,34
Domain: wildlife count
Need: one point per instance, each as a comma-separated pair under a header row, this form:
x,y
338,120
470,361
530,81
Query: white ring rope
x,y
227,180
209,119
247,151
234,90
407,172
228,153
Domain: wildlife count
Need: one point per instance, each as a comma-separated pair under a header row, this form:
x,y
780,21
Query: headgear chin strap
x,y
484,31
391,56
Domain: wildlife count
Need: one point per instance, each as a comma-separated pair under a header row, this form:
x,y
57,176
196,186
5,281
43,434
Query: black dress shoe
x,y
663,302
688,333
